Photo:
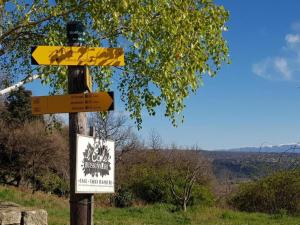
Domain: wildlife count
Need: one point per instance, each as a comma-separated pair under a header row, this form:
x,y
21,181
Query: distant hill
x,y
251,163
285,148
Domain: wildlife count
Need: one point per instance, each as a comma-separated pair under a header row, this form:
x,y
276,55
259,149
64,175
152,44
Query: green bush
x,y
151,189
201,195
155,189
274,194
152,175
51,182
148,183
123,198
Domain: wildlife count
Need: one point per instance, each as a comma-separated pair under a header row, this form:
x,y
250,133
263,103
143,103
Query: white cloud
x,y
272,69
281,65
261,68
286,65
292,38
276,68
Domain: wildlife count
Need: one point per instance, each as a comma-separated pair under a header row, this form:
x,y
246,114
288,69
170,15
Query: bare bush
x,y
179,176
155,140
185,169
115,127
29,151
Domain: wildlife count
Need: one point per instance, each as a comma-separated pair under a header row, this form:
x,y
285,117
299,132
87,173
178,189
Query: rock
x,y
10,217
13,214
4,204
10,213
34,217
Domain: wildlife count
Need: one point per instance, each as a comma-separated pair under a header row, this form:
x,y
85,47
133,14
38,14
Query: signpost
x,y
98,156
95,165
83,102
81,205
77,56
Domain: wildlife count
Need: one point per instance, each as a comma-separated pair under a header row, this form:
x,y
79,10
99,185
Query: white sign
x,y
95,165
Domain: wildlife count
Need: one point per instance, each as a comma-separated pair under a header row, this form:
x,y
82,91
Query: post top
x,y
75,32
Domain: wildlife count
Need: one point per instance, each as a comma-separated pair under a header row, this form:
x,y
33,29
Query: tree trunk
x,y
18,179
184,206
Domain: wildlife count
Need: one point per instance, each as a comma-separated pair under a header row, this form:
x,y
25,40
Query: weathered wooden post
x,y
80,204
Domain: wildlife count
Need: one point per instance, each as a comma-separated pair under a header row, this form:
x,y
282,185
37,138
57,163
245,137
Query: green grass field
x,y
58,213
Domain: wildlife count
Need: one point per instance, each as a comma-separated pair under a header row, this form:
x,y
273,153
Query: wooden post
x,y
80,204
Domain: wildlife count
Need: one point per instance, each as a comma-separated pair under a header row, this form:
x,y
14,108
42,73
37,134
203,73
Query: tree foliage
x,y
169,45
17,108
276,193
179,177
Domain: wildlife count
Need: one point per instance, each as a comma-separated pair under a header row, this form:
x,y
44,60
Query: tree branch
x,y
172,187
9,32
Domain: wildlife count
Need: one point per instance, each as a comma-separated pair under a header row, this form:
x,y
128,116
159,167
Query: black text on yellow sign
x,y
77,56
83,102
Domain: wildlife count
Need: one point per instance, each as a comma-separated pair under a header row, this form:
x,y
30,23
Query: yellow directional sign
x,y
83,102
77,56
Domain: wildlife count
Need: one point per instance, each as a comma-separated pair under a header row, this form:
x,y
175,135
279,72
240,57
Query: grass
x,y
159,214
57,208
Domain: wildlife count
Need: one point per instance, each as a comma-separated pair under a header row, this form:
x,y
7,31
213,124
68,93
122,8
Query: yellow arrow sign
x,y
89,102
77,56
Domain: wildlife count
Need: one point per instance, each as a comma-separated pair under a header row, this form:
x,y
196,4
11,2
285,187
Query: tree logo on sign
x,y
96,160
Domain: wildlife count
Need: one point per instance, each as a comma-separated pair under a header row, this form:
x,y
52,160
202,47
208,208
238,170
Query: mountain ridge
x,y
282,148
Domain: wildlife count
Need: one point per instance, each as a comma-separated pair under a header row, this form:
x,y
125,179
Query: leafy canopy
x,y
169,45
17,109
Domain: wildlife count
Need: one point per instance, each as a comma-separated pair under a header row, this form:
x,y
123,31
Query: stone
x,y
14,214
34,217
10,213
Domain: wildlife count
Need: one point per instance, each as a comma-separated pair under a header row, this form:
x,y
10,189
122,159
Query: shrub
x,y
151,189
186,170
51,182
274,194
154,176
201,195
123,198
30,151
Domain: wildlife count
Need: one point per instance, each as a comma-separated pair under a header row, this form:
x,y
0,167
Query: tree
x,y
29,151
110,126
17,108
169,46
180,177
186,169
155,140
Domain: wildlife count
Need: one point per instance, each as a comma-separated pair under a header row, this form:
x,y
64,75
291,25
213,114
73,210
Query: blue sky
x,y
255,99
